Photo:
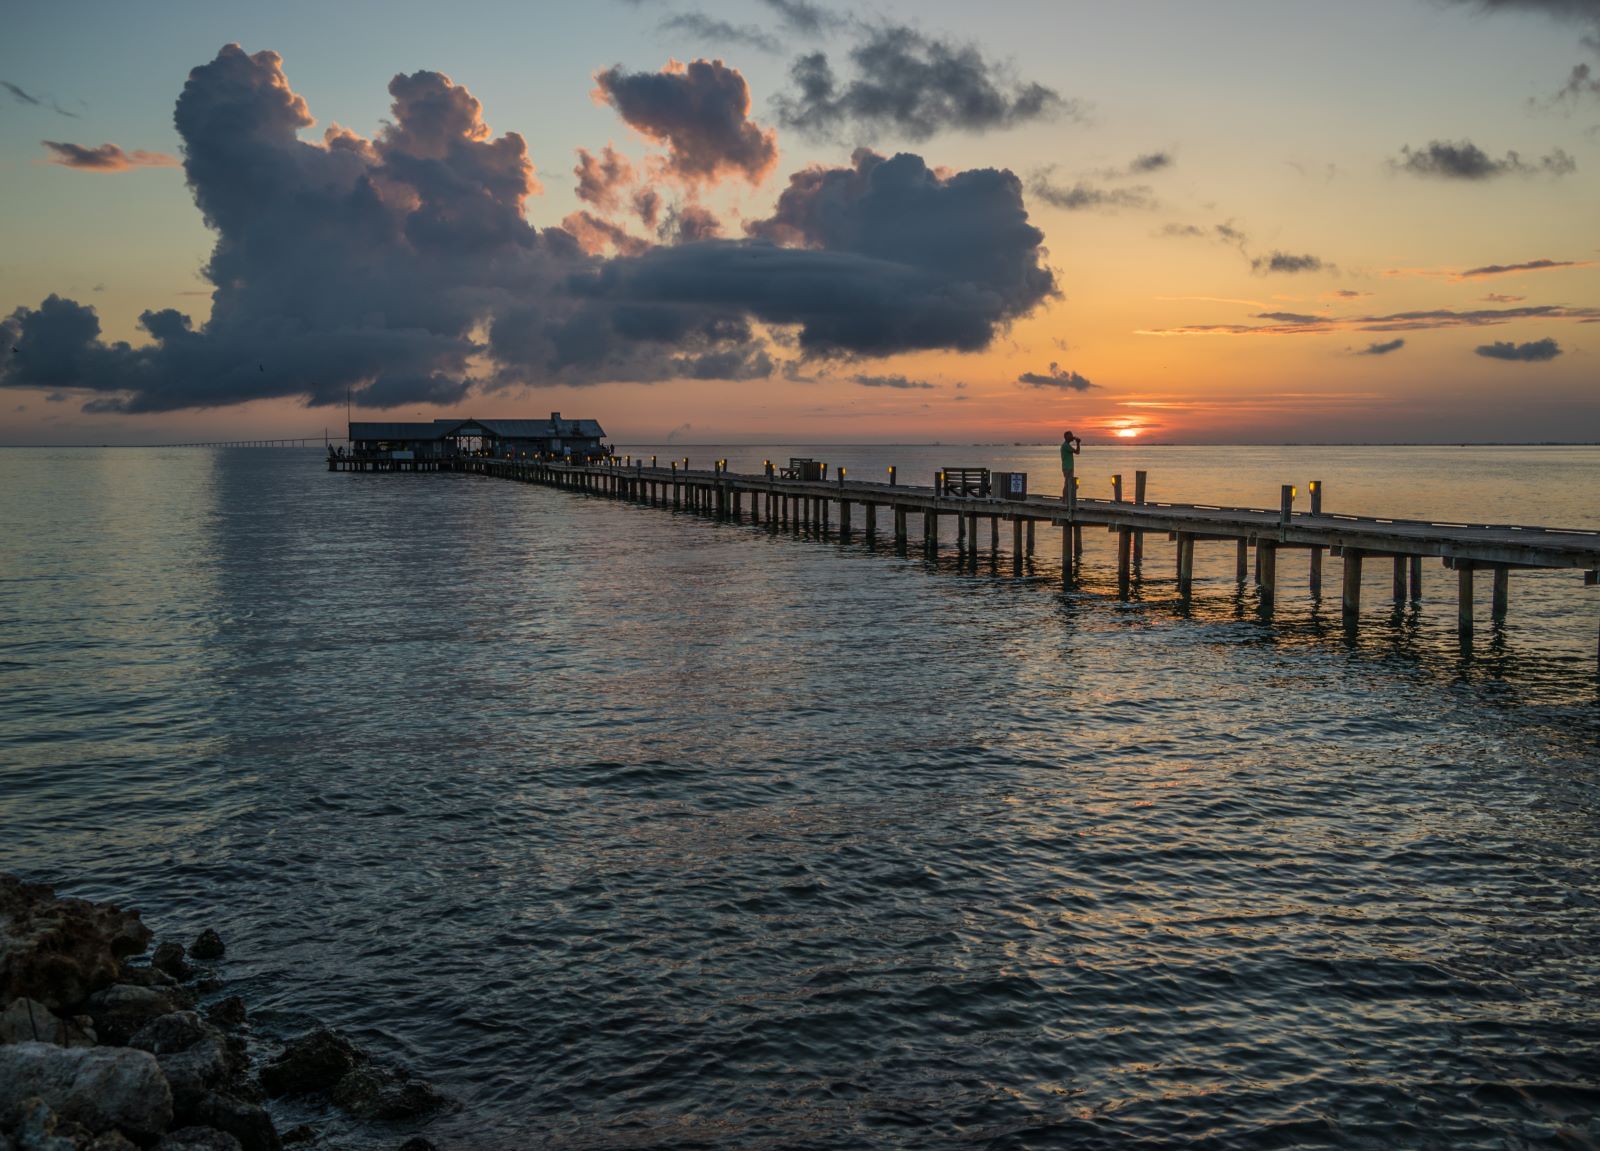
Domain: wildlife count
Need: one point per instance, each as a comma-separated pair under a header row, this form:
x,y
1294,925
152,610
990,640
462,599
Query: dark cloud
x,y
1183,231
703,27
900,382
912,85
1082,196
647,206
30,99
689,224
1529,266
404,268
105,158
1464,160
1276,261
701,112
601,179
1382,349
1150,162
1389,322
1056,377
595,234
806,18
1500,298
1532,353
1288,317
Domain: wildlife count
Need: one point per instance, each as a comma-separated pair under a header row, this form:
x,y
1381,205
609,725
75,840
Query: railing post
x,y
1116,488
891,475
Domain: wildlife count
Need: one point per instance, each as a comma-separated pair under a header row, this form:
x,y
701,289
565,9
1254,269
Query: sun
x,y
1127,433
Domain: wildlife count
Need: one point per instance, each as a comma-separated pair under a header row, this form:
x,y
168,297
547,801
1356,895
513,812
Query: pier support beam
x,y
1267,572
1400,566
1502,592
900,530
1016,546
1124,560
1464,601
844,519
1351,604
872,521
1416,579
1242,565
1316,573
1185,564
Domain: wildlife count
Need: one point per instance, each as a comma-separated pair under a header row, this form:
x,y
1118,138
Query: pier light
x,y
841,475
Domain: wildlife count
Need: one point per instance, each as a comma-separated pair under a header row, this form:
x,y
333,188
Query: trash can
x,y
1011,485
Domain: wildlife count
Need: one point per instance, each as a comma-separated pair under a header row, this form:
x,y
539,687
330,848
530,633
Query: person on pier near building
x,y
1070,446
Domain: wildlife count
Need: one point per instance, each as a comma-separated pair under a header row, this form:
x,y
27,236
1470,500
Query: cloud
x,y
1464,160
600,180
890,382
1580,81
1289,317
1348,294
1533,353
1501,298
105,158
689,224
701,112
404,267
1150,162
1388,322
915,86
1276,261
595,234
1529,266
805,17
703,27
1056,377
1384,348
1183,231
647,206
1081,196
29,98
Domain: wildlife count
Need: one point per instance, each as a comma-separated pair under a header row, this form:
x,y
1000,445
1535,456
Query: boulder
x,y
381,1093
198,1139
60,951
207,945
227,1012
316,1061
168,957
29,1021
99,1087
122,1010
303,1133
39,1129
246,1122
417,1143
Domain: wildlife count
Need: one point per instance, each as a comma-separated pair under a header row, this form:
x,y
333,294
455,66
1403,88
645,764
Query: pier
x,y
804,499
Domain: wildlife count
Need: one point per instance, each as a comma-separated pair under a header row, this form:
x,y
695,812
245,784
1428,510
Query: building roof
x,y
499,429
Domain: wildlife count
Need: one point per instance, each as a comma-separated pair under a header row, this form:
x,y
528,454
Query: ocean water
x,y
632,829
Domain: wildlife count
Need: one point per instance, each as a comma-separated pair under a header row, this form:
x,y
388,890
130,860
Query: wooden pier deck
x,y
829,506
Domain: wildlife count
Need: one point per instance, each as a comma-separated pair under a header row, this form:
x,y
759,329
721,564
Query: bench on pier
x,y
802,468
965,481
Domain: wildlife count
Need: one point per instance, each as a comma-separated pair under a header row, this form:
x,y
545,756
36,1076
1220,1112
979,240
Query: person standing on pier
x,y
1070,446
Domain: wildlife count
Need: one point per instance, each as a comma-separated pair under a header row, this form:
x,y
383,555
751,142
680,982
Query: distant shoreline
x,y
1112,443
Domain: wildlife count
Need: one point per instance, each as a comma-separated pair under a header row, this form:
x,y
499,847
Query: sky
x,y
1242,221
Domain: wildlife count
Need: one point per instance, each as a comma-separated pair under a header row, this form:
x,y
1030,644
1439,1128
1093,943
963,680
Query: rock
x,y
177,1031
99,1087
227,1012
111,1141
314,1062
304,1133
207,945
198,1139
121,1010
417,1143
168,957
38,1129
60,951
145,977
380,1093
29,1021
246,1122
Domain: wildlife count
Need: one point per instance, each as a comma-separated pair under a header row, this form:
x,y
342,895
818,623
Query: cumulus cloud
x,y
690,223
1056,377
1081,196
700,112
912,85
105,158
601,179
1276,261
404,268
900,382
595,234
1531,353
1383,349
1464,160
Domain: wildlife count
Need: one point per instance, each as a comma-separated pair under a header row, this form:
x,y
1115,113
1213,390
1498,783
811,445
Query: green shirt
x,y
1066,457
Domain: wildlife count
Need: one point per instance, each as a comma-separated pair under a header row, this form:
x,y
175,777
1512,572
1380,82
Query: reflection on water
x,y
636,830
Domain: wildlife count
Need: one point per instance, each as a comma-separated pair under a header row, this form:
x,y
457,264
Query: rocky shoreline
x,y
103,1051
